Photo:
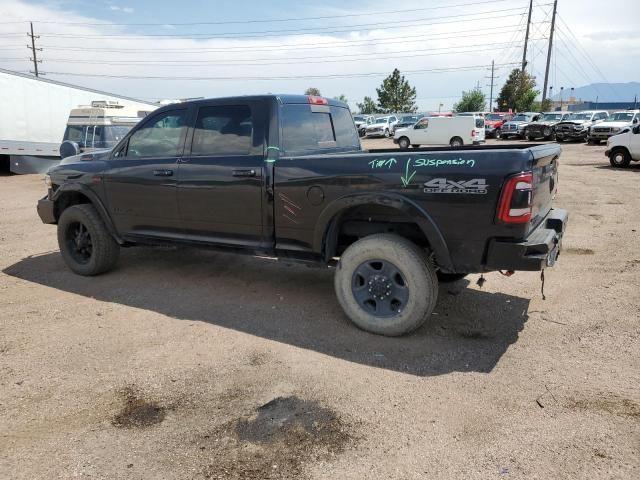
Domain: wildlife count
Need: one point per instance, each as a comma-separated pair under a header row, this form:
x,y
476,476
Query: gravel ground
x,y
192,364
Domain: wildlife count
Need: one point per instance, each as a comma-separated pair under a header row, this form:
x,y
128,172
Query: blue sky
x,y
443,49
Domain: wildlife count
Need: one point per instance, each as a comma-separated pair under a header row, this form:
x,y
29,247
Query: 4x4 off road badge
x,y
476,186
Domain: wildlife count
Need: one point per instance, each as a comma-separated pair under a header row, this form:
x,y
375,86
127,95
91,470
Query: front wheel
x,y
86,245
456,142
620,158
386,132
404,143
386,284
498,132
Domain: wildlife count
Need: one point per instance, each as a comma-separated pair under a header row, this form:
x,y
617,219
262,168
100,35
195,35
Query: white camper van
x,y
99,126
454,131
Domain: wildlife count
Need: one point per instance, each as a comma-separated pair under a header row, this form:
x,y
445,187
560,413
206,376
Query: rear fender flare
x,y
95,201
328,220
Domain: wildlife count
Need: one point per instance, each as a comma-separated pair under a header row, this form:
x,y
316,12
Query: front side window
x,y
223,130
422,124
160,137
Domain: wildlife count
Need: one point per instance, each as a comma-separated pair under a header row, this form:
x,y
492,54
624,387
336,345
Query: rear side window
x,y
160,137
223,130
305,131
479,122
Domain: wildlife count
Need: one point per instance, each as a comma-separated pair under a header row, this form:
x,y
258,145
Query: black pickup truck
x,y
285,176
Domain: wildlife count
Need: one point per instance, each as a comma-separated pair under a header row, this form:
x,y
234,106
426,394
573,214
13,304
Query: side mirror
x,y
635,120
69,149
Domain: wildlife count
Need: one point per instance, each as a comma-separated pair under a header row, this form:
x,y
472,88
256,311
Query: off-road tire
x,y
619,158
104,249
403,143
450,277
416,270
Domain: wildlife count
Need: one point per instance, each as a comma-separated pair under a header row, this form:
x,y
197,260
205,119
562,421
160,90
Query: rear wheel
x,y
620,158
456,142
86,245
404,143
386,284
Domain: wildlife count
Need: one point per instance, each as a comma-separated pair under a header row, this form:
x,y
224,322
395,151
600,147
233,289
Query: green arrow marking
x,y
406,179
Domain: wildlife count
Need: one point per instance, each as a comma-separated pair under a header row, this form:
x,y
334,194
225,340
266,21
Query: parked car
x,y
406,121
381,127
453,131
517,126
285,176
612,125
624,147
362,121
493,123
544,127
577,124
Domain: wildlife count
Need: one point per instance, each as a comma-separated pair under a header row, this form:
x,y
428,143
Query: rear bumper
x,y
45,210
538,251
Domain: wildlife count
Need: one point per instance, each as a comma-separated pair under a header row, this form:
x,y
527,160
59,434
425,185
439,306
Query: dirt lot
x,y
190,364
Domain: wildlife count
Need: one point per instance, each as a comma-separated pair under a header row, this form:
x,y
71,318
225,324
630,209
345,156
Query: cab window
x,y
160,137
422,124
223,130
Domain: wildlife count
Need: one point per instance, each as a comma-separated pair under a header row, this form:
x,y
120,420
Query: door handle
x,y
163,173
244,173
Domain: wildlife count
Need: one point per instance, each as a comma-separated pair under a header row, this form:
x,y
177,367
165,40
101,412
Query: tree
x,y
312,91
518,92
342,98
472,101
395,95
368,106
544,106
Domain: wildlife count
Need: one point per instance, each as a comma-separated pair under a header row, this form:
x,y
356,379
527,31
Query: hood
x,y
86,157
378,125
517,123
493,123
546,123
575,122
620,124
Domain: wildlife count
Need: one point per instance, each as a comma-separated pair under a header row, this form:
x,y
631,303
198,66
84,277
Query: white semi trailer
x,y
33,118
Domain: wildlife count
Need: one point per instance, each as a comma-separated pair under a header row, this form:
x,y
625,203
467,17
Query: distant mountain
x,y
604,92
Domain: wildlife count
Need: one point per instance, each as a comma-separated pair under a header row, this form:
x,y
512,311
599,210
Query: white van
x,y
454,131
624,147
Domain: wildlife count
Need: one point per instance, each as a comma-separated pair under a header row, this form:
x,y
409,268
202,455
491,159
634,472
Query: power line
x,y
296,32
301,46
266,62
288,77
276,20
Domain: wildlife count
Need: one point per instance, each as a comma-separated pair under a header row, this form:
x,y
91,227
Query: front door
x,y
141,179
220,182
420,132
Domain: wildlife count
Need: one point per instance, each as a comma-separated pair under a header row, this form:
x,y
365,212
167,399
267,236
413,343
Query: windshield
x,y
410,119
359,118
580,116
621,117
382,120
98,136
521,118
552,117
495,116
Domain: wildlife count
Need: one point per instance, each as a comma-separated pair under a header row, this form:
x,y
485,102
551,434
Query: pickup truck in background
x,y
285,176
613,125
577,125
493,123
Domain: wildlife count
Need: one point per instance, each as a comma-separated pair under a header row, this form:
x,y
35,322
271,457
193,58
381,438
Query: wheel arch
x,y
75,194
329,221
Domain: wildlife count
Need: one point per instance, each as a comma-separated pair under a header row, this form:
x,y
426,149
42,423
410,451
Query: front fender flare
x,y
332,213
95,201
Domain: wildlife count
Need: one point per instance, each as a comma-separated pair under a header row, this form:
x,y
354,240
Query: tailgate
x,y
545,180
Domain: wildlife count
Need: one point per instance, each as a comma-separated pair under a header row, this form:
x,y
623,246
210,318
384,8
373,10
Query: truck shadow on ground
x,y
469,331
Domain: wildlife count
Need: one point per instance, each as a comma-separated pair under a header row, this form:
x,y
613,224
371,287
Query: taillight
x,y
315,100
473,132
516,199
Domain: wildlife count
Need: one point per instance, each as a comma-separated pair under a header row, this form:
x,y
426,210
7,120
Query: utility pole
x,y
33,50
526,38
546,71
491,85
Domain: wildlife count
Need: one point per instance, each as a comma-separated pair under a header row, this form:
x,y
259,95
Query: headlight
x,y
616,129
47,180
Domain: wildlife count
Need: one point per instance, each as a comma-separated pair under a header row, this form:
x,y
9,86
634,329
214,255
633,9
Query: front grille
x,y
603,129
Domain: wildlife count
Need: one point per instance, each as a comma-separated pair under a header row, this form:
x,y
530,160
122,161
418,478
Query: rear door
x,y
140,182
220,182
